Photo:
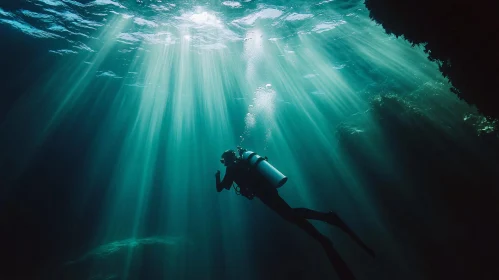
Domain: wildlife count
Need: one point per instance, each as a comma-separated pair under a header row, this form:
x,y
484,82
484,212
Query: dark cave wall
x,y
462,36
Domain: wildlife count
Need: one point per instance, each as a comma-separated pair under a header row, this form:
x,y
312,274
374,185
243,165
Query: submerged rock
x,y
134,258
461,36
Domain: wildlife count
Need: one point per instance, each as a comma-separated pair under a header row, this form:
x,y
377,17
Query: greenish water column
x,y
167,92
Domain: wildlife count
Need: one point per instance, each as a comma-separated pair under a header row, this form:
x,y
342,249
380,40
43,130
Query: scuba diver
x,y
256,177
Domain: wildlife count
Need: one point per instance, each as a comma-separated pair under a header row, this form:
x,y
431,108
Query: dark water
x,y
113,116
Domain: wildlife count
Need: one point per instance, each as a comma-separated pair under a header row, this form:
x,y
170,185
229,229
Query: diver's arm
x,y
227,180
217,176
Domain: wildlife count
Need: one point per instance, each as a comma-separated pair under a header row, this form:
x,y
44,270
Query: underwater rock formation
x,y
152,256
463,37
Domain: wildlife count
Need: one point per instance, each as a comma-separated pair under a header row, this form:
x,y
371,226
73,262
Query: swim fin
x,y
333,219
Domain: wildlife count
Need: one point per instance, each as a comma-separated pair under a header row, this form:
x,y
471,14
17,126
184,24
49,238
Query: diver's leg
x,y
332,219
276,203
310,214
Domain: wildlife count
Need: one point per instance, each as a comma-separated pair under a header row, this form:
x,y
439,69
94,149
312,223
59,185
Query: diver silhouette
x,y
256,177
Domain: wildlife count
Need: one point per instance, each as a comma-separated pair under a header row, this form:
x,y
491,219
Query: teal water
x,y
128,106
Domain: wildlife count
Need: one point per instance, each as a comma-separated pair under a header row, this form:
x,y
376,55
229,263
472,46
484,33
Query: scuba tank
x,y
263,167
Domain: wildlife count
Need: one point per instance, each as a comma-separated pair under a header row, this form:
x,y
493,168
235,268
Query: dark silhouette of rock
x,y
462,36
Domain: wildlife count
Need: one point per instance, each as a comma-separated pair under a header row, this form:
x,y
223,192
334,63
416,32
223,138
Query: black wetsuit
x,y
252,184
